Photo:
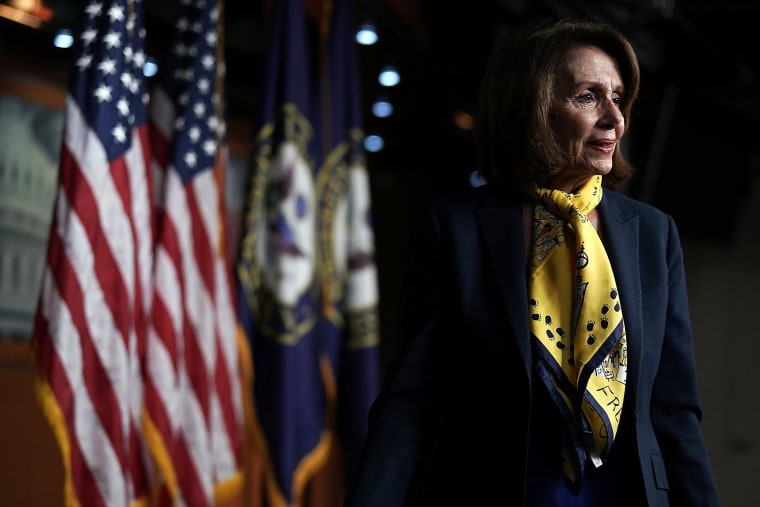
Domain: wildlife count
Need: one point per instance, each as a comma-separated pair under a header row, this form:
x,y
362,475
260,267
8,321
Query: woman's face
x,y
586,116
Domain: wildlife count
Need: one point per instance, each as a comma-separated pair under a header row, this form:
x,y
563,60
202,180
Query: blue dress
x,y
604,486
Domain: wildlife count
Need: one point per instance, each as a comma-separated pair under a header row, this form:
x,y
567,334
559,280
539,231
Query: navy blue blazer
x,y
451,424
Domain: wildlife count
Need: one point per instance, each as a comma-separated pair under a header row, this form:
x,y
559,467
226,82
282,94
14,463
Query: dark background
x,y
693,134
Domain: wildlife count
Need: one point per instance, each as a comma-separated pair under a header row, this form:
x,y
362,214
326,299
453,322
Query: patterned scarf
x,y
577,323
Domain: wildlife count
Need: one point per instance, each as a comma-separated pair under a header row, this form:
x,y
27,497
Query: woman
x,y
545,354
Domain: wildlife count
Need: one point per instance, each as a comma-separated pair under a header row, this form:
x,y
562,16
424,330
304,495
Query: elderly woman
x,y
545,351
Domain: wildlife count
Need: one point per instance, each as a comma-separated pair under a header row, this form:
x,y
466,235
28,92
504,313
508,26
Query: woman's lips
x,y
603,145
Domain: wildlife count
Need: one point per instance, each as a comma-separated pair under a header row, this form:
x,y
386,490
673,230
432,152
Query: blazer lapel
x,y
500,219
622,229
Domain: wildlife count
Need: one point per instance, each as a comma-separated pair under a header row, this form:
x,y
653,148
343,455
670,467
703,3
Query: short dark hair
x,y
513,133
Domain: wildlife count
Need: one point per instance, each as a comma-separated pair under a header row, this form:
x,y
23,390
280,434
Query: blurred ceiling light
x,y
366,35
381,108
373,143
27,12
389,76
150,67
24,5
63,39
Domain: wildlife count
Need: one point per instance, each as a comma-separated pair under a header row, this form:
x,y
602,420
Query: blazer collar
x,y
500,219
620,230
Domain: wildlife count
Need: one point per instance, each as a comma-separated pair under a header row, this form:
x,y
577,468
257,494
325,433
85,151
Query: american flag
x,y
192,387
90,326
135,330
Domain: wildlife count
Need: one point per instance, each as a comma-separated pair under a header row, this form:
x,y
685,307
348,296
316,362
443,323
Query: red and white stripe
x,y
193,389
89,323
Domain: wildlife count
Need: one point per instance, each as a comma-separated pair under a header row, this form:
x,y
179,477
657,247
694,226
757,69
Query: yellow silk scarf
x,y
576,323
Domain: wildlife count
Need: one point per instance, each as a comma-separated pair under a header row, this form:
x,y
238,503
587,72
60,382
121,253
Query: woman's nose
x,y
612,116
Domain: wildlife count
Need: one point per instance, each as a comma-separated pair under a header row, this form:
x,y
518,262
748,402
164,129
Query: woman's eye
x,y
585,99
